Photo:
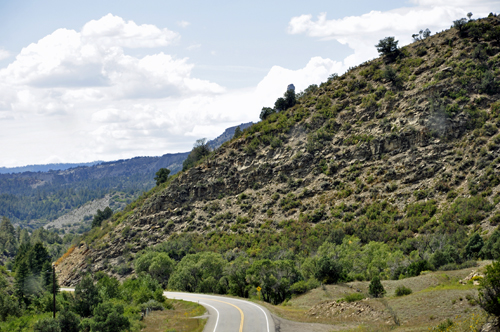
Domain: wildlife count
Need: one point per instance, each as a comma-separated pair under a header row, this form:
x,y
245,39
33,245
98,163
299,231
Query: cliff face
x,y
420,129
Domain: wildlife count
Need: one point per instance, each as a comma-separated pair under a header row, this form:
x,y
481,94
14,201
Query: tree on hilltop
x,y
388,47
200,149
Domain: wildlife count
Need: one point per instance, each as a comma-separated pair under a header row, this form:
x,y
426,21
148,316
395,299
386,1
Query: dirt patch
x,y
356,311
285,325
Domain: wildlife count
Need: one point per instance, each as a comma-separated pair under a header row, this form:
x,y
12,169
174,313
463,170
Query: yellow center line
x,y
241,312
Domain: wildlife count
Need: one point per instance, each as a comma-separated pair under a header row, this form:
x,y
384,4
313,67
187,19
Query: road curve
x,y
227,314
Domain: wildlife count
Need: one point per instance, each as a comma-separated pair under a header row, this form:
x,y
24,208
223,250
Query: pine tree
x,y
21,281
86,297
37,257
376,289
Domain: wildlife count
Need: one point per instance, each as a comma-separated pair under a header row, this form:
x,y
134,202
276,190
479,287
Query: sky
x,y
107,80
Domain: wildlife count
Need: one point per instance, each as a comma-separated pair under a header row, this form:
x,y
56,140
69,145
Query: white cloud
x,y
4,54
317,70
110,31
193,47
183,24
78,96
362,32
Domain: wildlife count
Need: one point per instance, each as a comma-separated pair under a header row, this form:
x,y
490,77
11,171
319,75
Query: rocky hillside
x,y
394,148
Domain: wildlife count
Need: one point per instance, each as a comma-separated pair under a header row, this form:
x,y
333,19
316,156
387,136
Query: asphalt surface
x,y
229,315
226,314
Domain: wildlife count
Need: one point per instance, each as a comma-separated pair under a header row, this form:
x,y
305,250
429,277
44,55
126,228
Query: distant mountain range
x,y
32,196
44,168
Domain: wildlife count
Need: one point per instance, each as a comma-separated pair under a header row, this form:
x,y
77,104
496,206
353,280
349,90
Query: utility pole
x,y
54,287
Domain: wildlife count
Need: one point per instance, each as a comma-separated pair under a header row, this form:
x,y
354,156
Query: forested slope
x,y
32,199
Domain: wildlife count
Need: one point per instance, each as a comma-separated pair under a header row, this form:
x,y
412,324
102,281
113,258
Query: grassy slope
x,y
436,296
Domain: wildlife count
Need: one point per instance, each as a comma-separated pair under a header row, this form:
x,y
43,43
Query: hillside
x,y
31,199
387,168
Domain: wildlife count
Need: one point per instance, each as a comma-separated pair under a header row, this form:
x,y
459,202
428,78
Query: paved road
x,y
226,314
229,315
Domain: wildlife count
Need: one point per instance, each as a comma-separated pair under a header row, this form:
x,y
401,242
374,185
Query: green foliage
x,y
200,150
491,248
68,320
289,202
418,214
162,175
159,265
199,272
328,270
237,132
402,291
353,297
415,268
489,294
109,317
107,287
47,325
376,289
30,264
86,297
9,306
274,277
467,211
303,286
101,216
266,112
388,46
474,246
459,24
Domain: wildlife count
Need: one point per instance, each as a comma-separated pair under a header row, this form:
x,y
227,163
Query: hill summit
x,y
403,150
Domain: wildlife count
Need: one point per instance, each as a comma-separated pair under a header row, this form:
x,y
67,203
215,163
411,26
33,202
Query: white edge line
x,y
217,321
265,314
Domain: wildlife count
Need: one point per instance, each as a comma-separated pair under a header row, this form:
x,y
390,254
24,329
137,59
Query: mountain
x,y
31,199
44,168
226,135
388,170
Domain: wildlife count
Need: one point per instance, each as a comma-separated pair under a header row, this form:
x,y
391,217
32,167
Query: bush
x,y
328,270
415,268
376,289
162,176
266,112
109,317
151,305
68,320
47,325
353,297
402,291
489,295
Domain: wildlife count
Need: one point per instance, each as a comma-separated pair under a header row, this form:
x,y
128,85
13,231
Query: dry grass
x,y
437,296
180,319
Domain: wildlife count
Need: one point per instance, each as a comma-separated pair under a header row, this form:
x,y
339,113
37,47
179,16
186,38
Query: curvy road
x,y
225,313
229,315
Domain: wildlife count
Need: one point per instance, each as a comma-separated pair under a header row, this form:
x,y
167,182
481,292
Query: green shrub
x,y
47,325
402,291
376,289
467,211
353,297
489,296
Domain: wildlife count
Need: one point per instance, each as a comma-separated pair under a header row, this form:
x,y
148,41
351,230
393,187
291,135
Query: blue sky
x,y
104,80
